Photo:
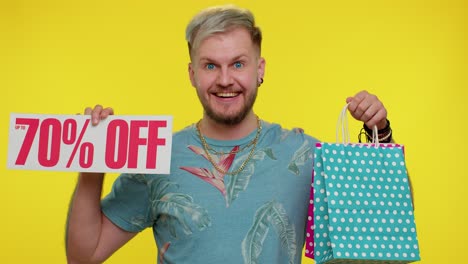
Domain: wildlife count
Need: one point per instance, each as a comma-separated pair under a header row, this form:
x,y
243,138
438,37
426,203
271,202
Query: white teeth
x,y
226,94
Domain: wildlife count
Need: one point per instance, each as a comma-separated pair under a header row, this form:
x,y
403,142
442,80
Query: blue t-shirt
x,y
199,215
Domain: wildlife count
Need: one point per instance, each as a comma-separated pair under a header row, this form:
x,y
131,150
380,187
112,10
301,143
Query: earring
x,y
260,81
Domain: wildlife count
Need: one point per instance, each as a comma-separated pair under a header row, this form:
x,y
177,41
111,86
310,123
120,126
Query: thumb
x,y
349,99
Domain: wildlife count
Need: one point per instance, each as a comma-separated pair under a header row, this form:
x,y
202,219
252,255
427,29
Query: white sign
x,y
136,144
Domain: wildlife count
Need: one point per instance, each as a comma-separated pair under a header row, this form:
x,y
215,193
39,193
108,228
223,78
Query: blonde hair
x,y
219,19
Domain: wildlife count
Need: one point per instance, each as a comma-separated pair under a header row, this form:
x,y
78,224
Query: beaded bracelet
x,y
384,134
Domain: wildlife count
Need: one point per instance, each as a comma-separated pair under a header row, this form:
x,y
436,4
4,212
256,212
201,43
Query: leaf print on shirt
x,y
300,157
213,176
173,210
239,182
270,214
139,220
163,251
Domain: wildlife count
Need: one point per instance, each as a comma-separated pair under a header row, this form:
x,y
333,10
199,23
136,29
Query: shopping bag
x,y
361,208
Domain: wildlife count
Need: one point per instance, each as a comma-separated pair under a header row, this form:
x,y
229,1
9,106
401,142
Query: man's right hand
x,y
98,113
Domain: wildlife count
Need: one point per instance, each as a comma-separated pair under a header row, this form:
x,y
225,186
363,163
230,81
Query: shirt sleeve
x,y
128,205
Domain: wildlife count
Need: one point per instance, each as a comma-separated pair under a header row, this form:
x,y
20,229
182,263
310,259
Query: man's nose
x,y
225,77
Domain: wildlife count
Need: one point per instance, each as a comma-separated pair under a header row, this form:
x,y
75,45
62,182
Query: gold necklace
x,y
207,149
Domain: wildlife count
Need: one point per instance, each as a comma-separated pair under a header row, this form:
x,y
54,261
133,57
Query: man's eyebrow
x,y
205,59
242,56
236,58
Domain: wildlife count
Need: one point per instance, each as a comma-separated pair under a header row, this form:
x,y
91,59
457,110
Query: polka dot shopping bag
x,y
361,208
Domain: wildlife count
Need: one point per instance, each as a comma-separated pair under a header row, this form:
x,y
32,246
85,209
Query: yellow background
x,y
59,56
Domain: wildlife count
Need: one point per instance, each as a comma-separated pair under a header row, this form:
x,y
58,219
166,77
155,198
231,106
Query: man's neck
x,y
214,130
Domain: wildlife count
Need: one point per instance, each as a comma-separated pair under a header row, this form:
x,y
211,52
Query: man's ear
x,y
191,74
261,67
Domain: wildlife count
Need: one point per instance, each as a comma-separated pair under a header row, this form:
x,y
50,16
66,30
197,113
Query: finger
x,y
106,112
88,111
356,100
379,119
96,114
374,106
361,110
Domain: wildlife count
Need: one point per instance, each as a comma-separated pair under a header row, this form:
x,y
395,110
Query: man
x,y
239,186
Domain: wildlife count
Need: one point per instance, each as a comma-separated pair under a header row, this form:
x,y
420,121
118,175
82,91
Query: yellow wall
x,y
60,56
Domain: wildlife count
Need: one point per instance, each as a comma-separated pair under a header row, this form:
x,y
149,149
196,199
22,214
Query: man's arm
x,y
91,236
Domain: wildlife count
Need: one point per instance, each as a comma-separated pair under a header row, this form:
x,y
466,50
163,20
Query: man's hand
x,y
368,108
98,113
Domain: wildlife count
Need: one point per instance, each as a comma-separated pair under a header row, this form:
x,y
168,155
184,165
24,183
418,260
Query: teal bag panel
x,y
362,202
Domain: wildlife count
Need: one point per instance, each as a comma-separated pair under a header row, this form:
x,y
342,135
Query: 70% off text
x,y
123,140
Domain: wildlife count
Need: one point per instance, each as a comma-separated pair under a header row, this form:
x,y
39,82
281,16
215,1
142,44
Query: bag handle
x,y
342,125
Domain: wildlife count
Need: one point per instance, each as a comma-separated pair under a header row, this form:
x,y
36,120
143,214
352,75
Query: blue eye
x,y
210,66
238,65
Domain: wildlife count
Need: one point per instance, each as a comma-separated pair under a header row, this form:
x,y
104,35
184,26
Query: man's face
x,y
225,70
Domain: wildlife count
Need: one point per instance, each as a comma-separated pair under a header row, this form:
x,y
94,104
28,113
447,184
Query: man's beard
x,y
231,119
